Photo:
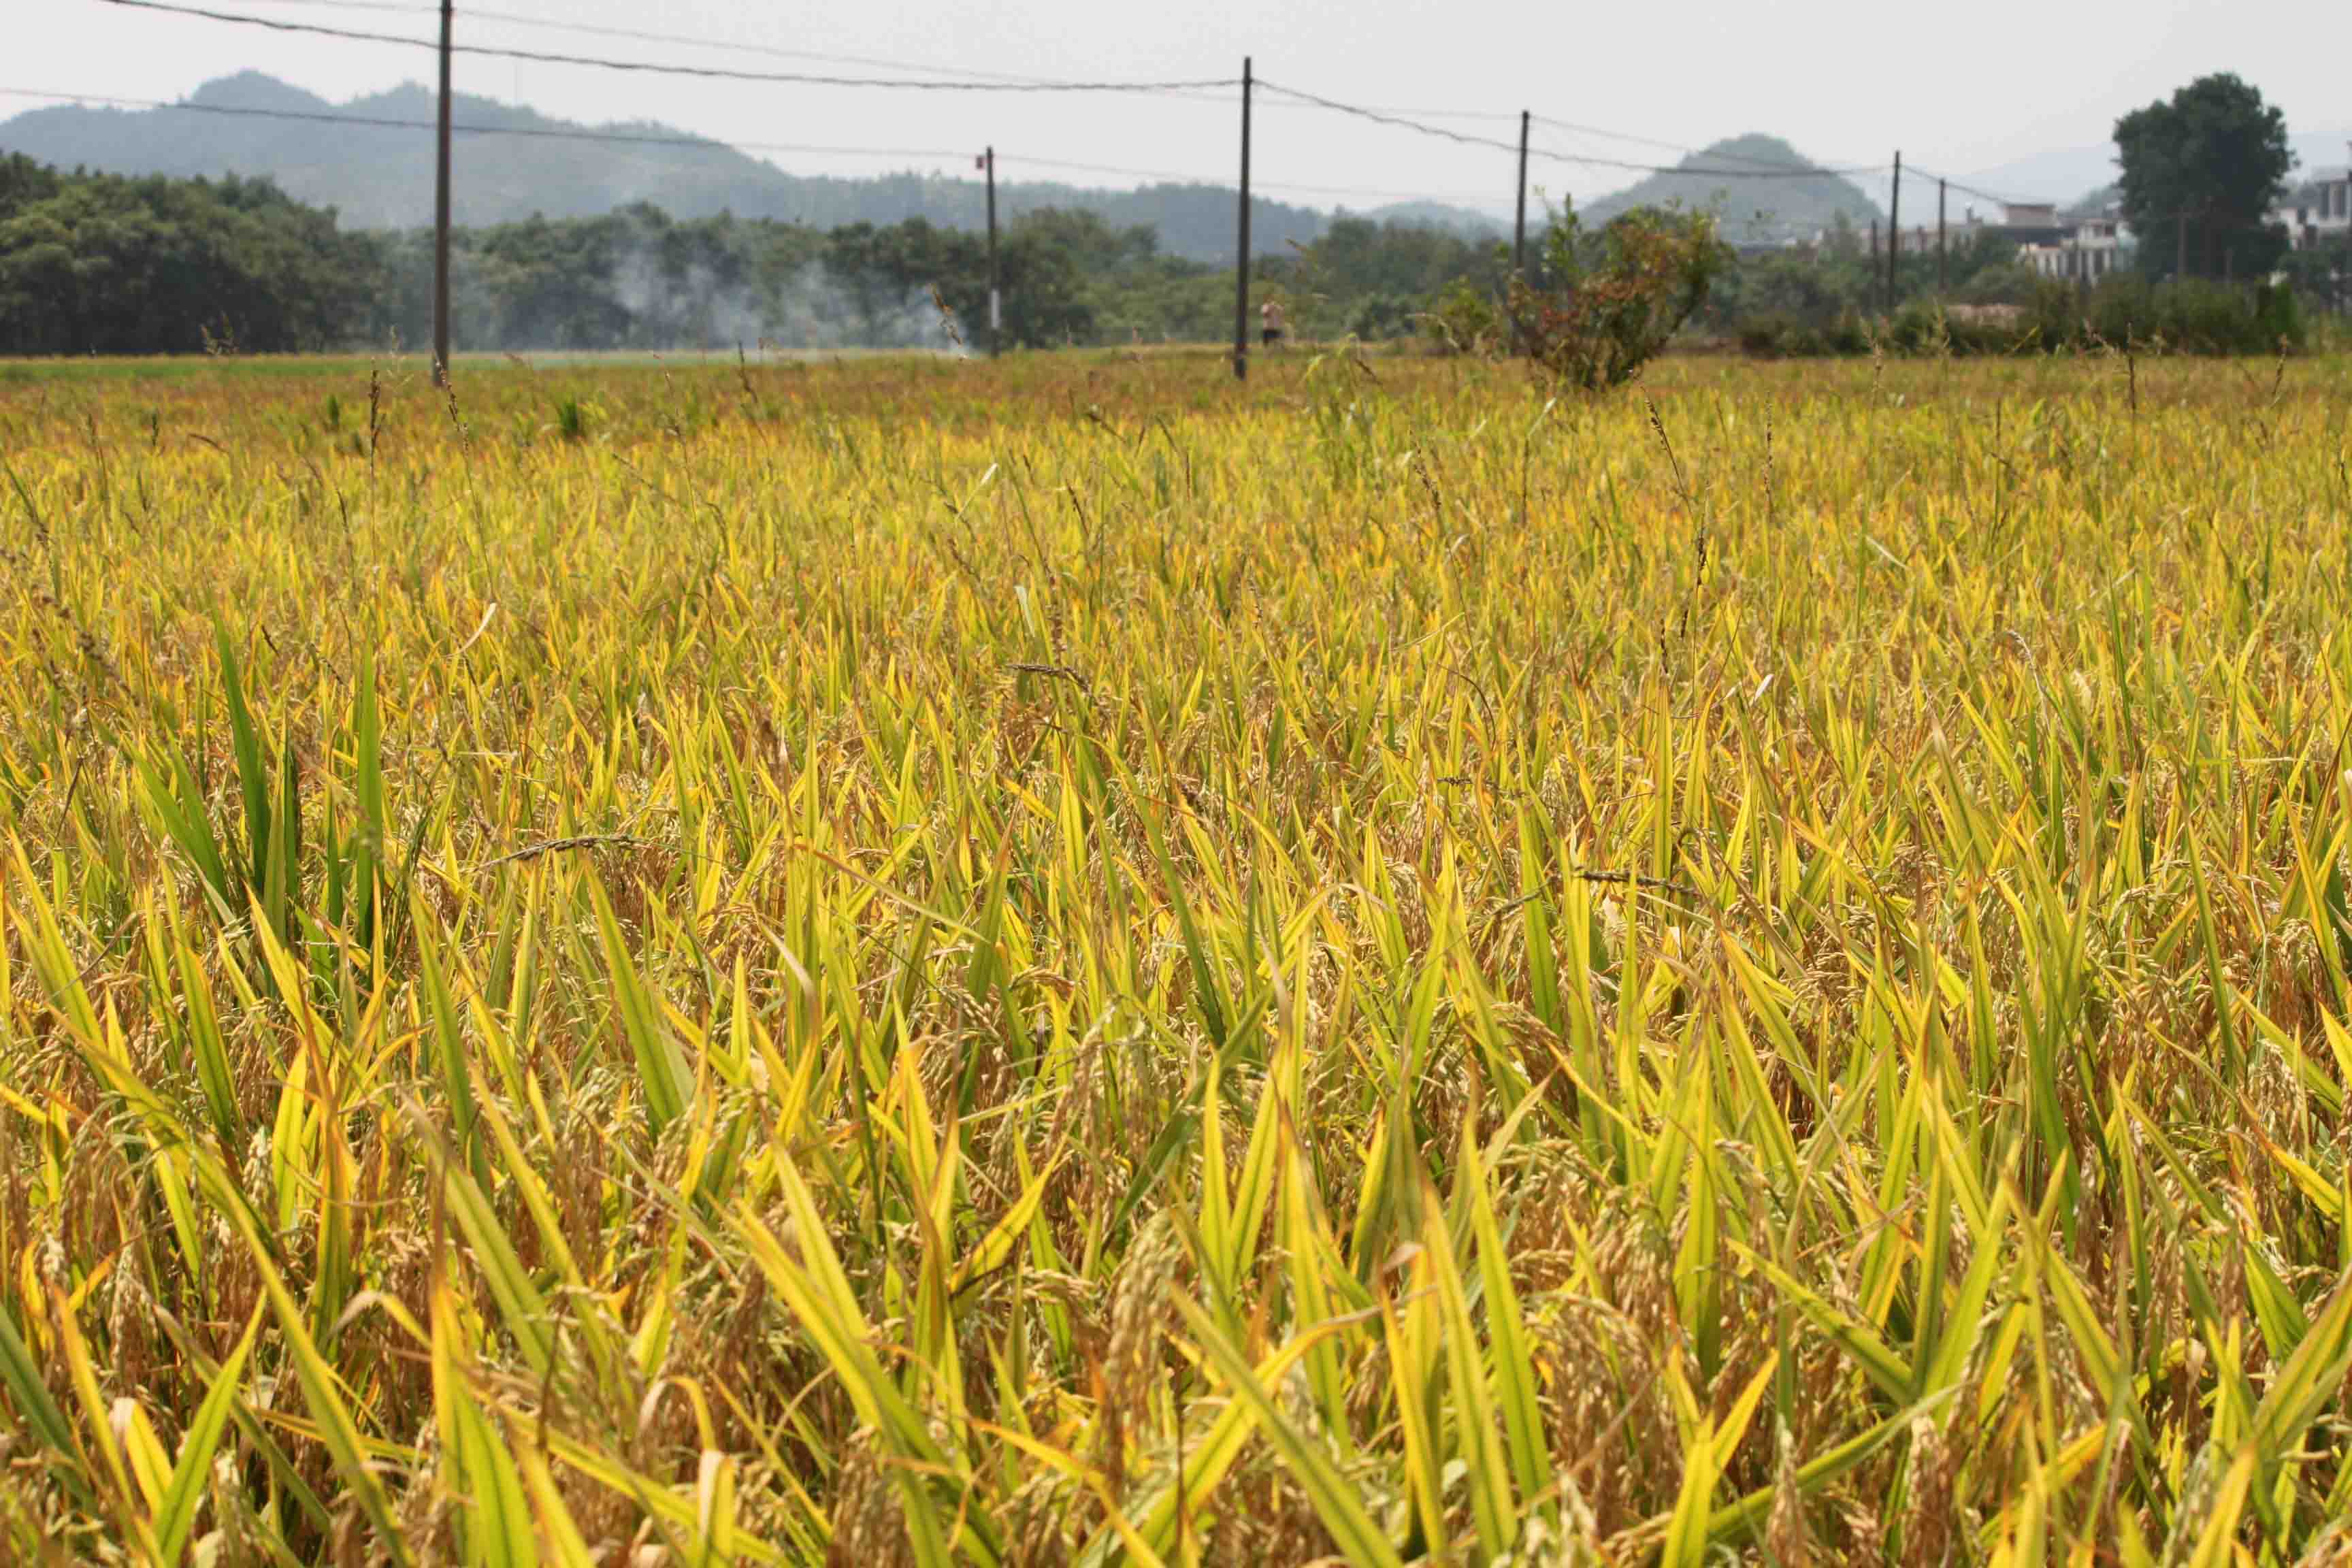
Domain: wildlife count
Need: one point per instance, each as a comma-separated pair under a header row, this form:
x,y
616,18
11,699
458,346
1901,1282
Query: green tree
x,y
101,264
2200,173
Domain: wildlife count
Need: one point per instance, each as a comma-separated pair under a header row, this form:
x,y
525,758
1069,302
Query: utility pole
x,y
2180,258
996,300
1894,230
1520,224
1943,247
441,220
2337,296
1241,262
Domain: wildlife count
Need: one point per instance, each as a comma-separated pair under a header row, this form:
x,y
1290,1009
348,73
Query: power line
x,y
1385,117
1606,134
1405,122
1169,176
550,133
971,82
1574,129
1761,171
1970,190
648,35
407,7
684,40
725,73
625,138
967,80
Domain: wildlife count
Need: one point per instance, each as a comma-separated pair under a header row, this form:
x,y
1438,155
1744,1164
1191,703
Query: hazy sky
x,y
1981,87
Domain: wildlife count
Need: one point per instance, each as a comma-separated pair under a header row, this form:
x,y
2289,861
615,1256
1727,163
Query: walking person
x,y
1269,323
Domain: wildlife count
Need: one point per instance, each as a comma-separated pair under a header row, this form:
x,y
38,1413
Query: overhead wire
x,y
658,68
1947,181
965,80
627,138
472,13
1406,122
949,78
979,79
541,132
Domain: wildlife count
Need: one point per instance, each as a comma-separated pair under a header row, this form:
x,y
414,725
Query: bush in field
x,y
1927,326
2186,315
2179,315
1605,304
1466,319
1600,305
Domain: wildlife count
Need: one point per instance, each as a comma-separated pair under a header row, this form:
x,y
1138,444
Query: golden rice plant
x,y
1054,963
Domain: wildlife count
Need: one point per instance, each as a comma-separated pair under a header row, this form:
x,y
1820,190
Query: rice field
x,y
1064,962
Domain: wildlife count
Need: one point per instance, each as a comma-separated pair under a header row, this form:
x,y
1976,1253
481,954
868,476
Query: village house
x,y
2097,247
2317,213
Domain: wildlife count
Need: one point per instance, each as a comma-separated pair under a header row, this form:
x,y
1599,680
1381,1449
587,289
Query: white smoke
x,y
809,309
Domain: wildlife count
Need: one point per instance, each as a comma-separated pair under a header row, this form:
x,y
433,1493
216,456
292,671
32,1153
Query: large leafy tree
x,y
2200,171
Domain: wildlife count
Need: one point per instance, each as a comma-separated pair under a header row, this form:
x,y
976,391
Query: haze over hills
x,y
1766,210
380,176
2074,175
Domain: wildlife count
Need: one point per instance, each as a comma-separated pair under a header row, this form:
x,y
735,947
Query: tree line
x,y
113,264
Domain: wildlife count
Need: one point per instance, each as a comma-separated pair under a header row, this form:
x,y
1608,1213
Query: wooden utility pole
x,y
1943,245
1242,261
2180,257
996,300
1894,230
441,220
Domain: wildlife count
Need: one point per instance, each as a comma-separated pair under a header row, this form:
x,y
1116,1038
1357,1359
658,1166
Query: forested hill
x,y
1754,211
381,176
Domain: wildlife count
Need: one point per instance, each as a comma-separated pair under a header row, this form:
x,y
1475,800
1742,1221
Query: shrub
x,y
2186,315
1605,304
1774,334
1929,327
1465,319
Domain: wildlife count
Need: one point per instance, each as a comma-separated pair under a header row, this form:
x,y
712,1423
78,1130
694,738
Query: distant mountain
x,y
1755,208
1463,221
380,176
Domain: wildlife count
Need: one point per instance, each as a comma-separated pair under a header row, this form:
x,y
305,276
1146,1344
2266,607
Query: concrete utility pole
x,y
1894,230
1520,224
996,300
441,220
1943,249
1241,262
1519,228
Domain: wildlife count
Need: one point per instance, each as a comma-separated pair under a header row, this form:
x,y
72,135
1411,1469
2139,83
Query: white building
x,y
2318,215
2097,247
